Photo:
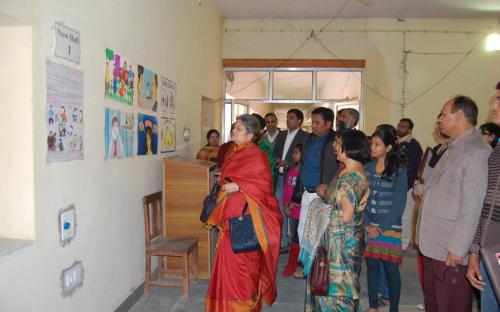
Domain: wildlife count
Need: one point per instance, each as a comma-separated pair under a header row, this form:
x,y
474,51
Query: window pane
x,y
247,85
292,85
239,109
227,122
338,85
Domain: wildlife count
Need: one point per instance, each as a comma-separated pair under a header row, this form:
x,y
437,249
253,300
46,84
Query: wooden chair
x,y
157,245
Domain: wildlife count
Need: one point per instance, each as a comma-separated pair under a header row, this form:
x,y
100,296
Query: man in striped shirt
x,y
489,234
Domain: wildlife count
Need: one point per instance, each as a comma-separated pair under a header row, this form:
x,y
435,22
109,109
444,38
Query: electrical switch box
x,y
67,224
72,278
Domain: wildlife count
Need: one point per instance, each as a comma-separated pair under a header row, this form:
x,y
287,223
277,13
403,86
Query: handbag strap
x,y
490,214
244,209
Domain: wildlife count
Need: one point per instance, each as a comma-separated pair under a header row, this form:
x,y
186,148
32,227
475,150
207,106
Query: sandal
x,y
299,274
382,302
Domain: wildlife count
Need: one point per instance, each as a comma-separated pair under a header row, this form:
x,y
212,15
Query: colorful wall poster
x,y
119,130
167,134
119,78
167,90
147,89
64,113
147,135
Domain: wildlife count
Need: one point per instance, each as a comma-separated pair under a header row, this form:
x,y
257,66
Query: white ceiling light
x,y
493,42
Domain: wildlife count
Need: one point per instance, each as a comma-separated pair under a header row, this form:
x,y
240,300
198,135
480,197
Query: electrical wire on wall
x,y
404,74
309,37
403,102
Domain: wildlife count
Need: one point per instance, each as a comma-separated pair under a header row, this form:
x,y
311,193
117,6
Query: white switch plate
x,y
67,224
72,278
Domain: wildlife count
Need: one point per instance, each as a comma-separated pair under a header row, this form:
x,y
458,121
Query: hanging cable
x,y
311,35
351,70
404,70
448,73
420,94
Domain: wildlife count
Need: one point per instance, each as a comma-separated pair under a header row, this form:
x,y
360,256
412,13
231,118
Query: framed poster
x,y
147,135
167,134
147,89
64,113
119,130
119,78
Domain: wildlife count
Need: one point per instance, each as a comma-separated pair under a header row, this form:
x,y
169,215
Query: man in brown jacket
x,y
451,207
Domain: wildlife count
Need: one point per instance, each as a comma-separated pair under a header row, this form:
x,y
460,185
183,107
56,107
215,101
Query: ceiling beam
x,y
276,63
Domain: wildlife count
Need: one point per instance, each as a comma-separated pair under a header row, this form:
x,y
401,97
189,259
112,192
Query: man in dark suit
x,y
283,149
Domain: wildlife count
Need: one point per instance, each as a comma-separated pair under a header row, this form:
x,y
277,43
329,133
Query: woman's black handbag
x,y
242,231
209,203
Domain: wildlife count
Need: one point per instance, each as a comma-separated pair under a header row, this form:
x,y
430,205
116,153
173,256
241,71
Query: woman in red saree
x,y
239,282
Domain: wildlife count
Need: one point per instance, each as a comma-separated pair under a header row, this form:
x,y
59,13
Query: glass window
x,y
338,85
247,85
293,85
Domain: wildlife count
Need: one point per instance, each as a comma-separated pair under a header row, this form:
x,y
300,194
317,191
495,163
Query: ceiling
x,y
310,9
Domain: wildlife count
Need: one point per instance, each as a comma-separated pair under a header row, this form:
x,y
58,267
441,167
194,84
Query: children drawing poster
x,y
119,130
167,134
64,113
167,91
119,78
147,135
147,89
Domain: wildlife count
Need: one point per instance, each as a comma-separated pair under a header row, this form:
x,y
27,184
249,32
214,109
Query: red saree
x,y
240,281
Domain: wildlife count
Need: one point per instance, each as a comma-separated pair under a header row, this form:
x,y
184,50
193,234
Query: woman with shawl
x,y
344,235
240,281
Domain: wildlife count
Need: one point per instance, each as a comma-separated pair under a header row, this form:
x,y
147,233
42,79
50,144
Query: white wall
x,y
176,38
382,50
16,134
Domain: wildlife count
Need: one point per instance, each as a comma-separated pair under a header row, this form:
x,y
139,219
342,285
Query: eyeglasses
x,y
497,99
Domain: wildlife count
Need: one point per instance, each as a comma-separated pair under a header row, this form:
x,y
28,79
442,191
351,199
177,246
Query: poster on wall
x,y
147,135
167,134
118,134
167,91
147,89
119,78
64,113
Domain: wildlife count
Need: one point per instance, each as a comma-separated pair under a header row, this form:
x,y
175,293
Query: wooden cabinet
x,y
186,182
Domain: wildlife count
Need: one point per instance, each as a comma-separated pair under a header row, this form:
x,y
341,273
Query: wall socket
x,y
72,278
67,224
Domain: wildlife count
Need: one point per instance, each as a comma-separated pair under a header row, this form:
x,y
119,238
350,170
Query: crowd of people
x,y
354,196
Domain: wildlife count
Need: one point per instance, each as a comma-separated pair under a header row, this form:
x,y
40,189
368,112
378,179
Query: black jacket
x,y
300,137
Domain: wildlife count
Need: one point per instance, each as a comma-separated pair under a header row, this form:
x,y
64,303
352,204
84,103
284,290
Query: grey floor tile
x,y
290,293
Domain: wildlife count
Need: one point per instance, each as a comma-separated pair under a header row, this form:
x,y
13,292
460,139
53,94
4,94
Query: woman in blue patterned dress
x,y
348,196
388,184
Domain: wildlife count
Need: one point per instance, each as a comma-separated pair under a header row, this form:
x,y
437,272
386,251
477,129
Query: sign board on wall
x,y
67,43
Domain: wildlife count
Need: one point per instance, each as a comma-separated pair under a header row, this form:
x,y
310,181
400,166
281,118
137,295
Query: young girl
x,y
291,200
387,177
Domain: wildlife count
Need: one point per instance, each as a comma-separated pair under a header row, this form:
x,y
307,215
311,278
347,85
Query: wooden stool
x,y
159,246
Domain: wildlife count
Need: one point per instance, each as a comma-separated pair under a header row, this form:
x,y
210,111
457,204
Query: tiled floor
x,y
290,293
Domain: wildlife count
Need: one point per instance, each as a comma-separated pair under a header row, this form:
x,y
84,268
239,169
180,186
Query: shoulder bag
x,y
209,203
320,276
242,231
